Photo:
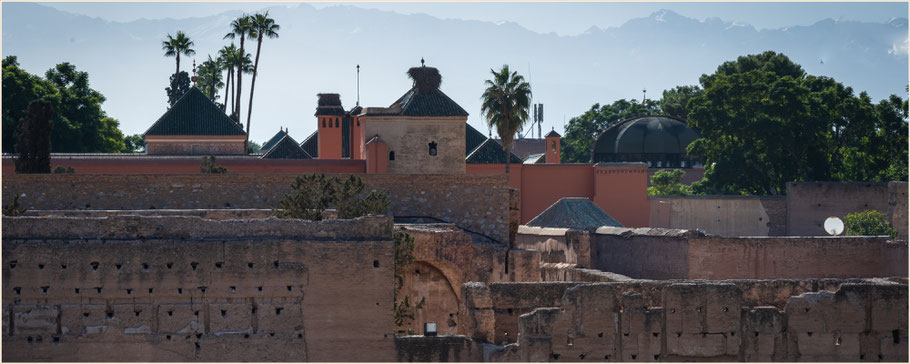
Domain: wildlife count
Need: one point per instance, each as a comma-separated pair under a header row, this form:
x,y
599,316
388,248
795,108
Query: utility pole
x,y
358,85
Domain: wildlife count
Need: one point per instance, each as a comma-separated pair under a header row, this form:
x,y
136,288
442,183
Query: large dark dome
x,y
660,141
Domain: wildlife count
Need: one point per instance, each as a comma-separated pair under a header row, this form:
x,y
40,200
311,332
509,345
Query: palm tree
x,y
505,103
226,55
175,46
240,27
263,26
210,75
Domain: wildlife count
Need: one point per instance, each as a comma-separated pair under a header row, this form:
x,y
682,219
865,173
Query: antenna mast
x,y
358,85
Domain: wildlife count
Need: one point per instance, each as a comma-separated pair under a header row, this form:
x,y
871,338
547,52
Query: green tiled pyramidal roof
x,y
286,148
194,114
577,213
271,143
490,152
311,144
418,102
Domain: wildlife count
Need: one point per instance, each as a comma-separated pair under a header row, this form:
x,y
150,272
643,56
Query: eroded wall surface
x,y
681,254
131,288
721,215
711,321
810,203
451,198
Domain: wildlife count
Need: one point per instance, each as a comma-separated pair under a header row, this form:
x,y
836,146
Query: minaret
x,y
329,114
553,145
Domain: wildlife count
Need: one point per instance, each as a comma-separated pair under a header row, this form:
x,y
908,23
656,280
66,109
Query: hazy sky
x,y
563,18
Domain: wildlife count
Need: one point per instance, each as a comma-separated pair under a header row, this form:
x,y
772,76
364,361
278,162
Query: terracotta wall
x,y
191,165
188,289
679,254
451,198
708,321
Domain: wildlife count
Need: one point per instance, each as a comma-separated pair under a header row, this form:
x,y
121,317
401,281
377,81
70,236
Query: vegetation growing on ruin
x,y
404,256
312,194
62,169
868,223
209,166
14,209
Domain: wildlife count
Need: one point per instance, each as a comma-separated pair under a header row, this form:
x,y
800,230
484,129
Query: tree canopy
x,y
583,130
765,122
79,123
505,104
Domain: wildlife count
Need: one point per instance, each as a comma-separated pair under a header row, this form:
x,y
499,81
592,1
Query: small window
x,y
358,122
392,155
336,122
433,149
323,122
682,164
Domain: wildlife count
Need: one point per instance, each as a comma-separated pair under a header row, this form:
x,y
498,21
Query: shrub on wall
x,y
209,166
669,182
62,169
868,223
14,209
313,194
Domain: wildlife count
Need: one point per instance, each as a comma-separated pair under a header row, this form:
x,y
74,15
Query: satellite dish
x,y
834,226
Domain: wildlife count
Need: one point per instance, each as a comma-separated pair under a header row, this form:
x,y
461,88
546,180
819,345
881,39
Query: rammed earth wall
x,y
138,288
849,320
478,203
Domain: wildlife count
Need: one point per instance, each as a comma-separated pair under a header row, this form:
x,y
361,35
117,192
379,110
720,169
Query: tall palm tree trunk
x,y
229,89
212,89
176,75
508,159
240,81
249,109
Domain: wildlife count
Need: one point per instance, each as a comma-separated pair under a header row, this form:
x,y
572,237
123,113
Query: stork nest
x,y
329,100
425,78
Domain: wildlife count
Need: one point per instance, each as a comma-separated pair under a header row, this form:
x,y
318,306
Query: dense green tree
x,y
583,130
133,144
674,100
667,182
262,27
33,143
183,85
209,79
868,223
79,123
240,27
505,104
764,122
174,47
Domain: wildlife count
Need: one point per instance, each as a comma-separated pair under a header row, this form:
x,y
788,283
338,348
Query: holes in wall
x,y
218,265
179,290
196,313
129,291
300,336
896,336
698,309
98,289
555,356
254,310
625,334
170,313
95,265
223,313
246,336
151,290
581,356
289,288
168,337
249,265
862,356
63,266
41,266
275,263
170,265
278,311
259,288
110,314
570,341
606,357
198,336
202,288
657,358
137,312
880,357
732,334
391,155
56,339
145,267
837,341
672,310
432,150
634,356
809,333
678,334
85,314
375,264
118,266
194,265
77,290
30,339
655,334
726,309
233,289
756,334
600,334
12,264
18,290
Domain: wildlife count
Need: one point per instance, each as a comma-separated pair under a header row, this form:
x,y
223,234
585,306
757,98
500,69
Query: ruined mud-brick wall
x,y
897,208
721,215
810,203
556,245
475,202
681,254
696,321
136,288
447,348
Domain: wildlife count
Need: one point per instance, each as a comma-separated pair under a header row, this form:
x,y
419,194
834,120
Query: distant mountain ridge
x,y
318,49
